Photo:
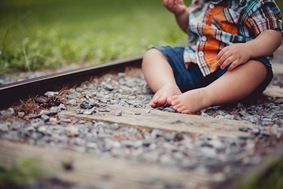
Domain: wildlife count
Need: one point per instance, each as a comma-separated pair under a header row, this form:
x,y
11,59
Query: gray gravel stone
x,y
42,129
8,112
85,105
4,127
64,118
51,93
45,118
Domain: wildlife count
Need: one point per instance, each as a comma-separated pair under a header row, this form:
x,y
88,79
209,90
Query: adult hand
x,y
177,7
233,55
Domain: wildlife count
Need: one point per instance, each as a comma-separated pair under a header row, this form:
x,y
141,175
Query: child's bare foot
x,y
160,97
190,102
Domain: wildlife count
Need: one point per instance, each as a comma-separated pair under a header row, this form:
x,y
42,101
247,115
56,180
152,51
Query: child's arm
x,y
180,10
263,45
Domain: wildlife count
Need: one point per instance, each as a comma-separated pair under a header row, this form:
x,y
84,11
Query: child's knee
x,y
257,68
151,53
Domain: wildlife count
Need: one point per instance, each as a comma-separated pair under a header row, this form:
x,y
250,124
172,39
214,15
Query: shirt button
x,y
200,53
211,6
203,38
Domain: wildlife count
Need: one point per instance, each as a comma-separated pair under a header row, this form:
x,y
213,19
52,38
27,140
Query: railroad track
x,y
13,92
93,127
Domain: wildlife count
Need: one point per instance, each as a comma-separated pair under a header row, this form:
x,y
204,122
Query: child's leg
x,y
159,76
232,86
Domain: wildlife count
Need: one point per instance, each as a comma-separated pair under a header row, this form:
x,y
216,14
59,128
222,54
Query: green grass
x,y
44,34
272,177
280,4
48,33
20,173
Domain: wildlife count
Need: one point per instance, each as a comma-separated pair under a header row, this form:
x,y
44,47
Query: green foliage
x,y
19,173
49,33
271,178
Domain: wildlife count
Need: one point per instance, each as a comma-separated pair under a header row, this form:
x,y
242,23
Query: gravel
x,y
223,157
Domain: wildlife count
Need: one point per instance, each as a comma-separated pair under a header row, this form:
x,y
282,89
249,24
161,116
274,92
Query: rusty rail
x,y
12,93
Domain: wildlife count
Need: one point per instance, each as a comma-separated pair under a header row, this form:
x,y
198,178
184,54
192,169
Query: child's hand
x,y
177,7
233,55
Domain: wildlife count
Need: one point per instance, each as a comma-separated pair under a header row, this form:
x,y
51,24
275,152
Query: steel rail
x,y
14,92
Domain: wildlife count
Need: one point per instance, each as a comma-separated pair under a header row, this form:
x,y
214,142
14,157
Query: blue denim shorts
x,y
192,78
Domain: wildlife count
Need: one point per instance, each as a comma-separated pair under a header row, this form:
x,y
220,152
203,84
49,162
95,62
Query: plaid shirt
x,y
214,24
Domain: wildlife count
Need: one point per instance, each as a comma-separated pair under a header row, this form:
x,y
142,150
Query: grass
x,y
272,177
48,34
20,173
37,35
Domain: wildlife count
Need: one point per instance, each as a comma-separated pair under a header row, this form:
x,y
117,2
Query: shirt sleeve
x,y
264,16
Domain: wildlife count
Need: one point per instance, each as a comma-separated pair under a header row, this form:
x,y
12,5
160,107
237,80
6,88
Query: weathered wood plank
x,y
168,121
97,172
277,68
273,91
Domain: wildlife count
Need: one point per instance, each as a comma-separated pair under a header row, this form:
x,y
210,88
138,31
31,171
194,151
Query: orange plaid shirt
x,y
214,24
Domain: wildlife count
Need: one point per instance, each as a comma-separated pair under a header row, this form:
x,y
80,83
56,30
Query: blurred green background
x,y
52,33
45,34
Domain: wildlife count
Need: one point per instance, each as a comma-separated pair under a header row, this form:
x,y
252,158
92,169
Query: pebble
x,y
62,107
85,105
17,125
118,113
90,112
109,87
45,118
51,93
131,144
166,160
42,129
156,133
8,112
37,122
4,127
64,118
55,109
178,137
40,100
104,110
72,102
44,112
169,109
91,145
245,129
151,156
21,114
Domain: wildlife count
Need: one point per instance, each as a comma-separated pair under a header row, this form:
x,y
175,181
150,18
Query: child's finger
x,y
220,54
179,2
170,3
230,60
233,65
222,59
166,3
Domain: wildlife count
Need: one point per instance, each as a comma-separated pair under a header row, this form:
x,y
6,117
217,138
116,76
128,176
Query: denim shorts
x,y
192,78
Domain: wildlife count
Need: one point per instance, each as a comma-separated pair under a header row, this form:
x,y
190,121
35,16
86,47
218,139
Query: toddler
x,y
225,60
